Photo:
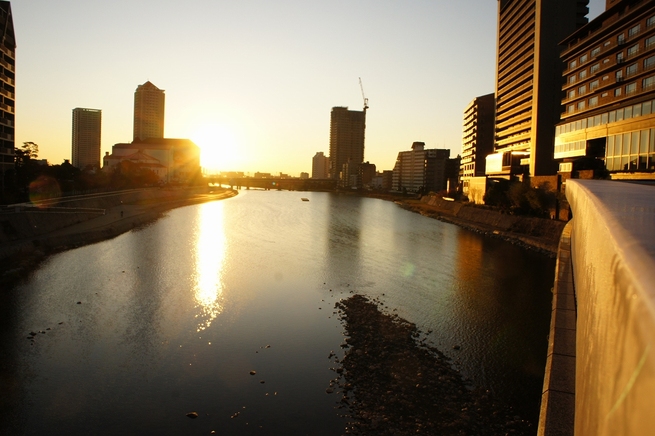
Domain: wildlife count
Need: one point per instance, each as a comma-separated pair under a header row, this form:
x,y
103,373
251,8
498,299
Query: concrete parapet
x,y
613,258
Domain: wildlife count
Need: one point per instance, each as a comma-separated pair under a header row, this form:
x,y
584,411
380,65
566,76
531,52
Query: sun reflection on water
x,y
210,261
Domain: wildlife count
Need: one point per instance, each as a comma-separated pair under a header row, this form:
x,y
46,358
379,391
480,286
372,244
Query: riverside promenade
x,y
30,232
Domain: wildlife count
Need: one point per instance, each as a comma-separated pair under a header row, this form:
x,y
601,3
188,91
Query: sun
x,y
218,147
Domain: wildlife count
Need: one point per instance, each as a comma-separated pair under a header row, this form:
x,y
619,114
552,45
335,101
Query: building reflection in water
x,y
210,249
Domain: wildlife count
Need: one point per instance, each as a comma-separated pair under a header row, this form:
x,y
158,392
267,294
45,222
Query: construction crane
x,y
363,96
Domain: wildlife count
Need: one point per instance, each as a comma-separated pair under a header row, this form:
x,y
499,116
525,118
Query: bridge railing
x,y
613,255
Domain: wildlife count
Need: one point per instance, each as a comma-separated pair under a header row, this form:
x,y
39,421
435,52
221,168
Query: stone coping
x,y
557,413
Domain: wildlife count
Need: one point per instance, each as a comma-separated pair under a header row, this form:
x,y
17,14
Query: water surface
x,y
171,318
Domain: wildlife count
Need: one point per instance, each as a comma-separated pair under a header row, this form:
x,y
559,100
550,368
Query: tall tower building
x,y
320,166
528,82
477,137
7,88
346,143
86,137
149,103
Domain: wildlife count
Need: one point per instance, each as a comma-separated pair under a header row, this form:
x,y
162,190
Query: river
x,y
129,335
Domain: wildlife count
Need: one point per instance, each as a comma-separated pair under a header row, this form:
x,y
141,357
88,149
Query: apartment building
x,y
420,170
528,88
346,143
7,88
87,129
609,92
477,138
149,106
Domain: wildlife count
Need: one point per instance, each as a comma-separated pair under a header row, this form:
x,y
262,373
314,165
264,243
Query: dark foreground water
x,y
169,319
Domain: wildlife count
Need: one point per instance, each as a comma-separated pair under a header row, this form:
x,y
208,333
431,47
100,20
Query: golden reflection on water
x,y
210,261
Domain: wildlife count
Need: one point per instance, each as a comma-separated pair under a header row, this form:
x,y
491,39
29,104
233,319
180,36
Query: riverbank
x,y
538,234
52,232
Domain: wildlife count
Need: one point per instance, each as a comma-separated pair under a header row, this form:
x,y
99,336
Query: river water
x,y
171,318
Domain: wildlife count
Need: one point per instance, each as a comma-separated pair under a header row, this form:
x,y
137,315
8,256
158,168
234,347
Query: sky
x,y
253,82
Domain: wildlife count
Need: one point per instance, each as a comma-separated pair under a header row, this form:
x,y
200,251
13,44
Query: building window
x,y
572,79
571,93
650,22
649,41
619,76
620,39
646,107
634,31
649,62
606,77
604,94
633,50
583,58
617,92
648,82
573,64
630,88
606,60
595,52
594,68
593,85
582,90
570,108
582,74
619,57
593,101
581,105
631,70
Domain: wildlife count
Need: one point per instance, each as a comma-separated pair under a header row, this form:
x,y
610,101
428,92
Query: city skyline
x,y
255,77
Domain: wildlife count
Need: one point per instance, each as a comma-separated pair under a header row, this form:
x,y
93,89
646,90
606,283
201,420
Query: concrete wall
x,y
613,251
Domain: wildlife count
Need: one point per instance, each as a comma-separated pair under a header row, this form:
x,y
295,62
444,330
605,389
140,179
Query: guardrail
x,y
613,258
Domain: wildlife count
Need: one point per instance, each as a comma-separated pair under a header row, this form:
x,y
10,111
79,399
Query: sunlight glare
x,y
218,147
210,261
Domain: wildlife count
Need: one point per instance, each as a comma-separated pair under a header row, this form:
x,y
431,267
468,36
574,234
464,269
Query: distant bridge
x,y
276,183
600,372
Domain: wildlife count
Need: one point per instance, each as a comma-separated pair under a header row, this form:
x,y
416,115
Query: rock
x,y
192,415
253,372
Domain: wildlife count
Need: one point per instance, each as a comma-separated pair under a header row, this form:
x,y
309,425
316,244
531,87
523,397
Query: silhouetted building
x,y
528,71
87,126
477,137
451,171
7,89
304,175
320,166
180,158
609,92
420,170
346,143
366,173
149,105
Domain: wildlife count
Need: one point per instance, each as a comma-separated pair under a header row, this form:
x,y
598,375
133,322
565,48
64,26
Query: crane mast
x,y
361,86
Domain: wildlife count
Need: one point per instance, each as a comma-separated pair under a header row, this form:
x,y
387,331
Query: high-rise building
x,y
346,143
86,137
609,93
7,89
528,72
477,138
320,166
420,170
149,104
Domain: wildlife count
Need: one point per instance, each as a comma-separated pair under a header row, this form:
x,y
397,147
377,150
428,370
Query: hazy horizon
x,y
253,83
